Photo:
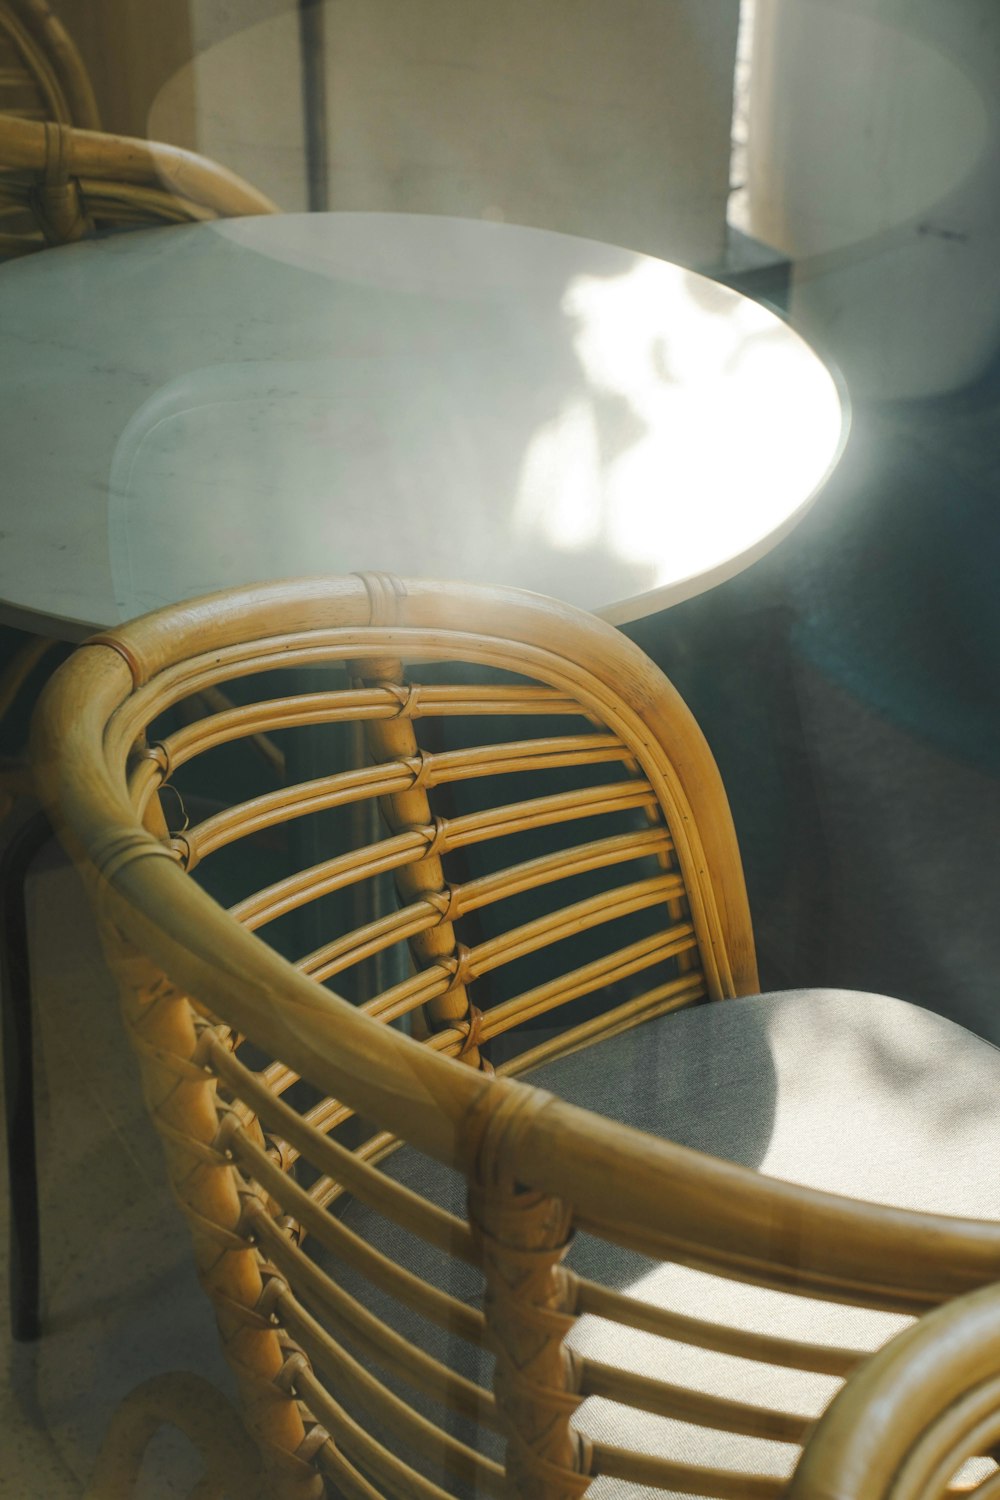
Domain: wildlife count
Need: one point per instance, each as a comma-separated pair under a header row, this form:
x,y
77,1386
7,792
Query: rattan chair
x,y
42,77
76,182
431,1277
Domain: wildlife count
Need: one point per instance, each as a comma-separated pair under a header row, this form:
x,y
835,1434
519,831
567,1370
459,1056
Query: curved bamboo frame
x,y
195,980
191,1404
923,1405
73,181
50,66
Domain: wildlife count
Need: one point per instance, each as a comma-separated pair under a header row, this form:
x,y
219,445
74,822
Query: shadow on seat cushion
x,y
854,1093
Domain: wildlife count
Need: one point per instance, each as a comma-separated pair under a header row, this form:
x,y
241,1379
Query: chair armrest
x,y
907,1420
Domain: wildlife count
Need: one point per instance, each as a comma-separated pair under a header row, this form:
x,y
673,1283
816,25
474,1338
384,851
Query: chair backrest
x,y
42,76
370,1208
73,182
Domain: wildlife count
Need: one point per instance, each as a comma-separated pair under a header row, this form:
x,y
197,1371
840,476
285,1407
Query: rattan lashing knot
x,y
473,1031
444,903
251,1209
230,1124
458,965
292,1366
181,846
279,1151
56,199
512,1112
155,751
181,809
384,592
434,834
259,1319
316,1437
118,847
275,1287
57,143
516,1380
419,766
128,656
526,1463
206,1039
406,695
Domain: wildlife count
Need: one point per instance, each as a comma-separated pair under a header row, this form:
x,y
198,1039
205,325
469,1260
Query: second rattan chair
x,y
74,182
59,184
631,1274
42,76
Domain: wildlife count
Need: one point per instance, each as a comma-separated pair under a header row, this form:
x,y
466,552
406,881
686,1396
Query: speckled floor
x,y
120,1301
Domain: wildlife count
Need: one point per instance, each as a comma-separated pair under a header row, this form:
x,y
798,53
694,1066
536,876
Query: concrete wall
x,y
606,118
609,120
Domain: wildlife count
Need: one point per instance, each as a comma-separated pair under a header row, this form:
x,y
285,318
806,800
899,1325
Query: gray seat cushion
x,y
855,1093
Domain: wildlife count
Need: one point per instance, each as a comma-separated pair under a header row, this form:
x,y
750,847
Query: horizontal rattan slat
x,y
370,1186
408,847
161,679
366,783
664,1399
162,686
426,1439
274,808
374,1150
371,1336
552,753
568,921
598,854
358,705
437,1306
331,875
545,812
688,989
402,1482
438,768
411,993
792,1354
600,972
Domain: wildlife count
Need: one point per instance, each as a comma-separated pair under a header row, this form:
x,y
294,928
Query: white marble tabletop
x,y
190,408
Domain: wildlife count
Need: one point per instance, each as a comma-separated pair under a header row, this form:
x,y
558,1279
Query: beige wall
x,y
605,118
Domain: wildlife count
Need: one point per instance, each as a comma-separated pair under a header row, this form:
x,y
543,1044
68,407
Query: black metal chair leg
x,y
18,1076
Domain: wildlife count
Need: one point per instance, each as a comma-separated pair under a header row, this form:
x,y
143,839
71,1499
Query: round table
x,y
190,408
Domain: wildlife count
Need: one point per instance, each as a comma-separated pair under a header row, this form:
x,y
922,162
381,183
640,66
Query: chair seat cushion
x,y
854,1093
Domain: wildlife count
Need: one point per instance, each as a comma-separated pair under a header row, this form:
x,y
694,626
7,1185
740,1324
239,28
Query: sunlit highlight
x,y
671,437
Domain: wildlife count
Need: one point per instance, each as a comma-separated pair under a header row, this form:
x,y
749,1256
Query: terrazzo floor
x,y
120,1301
